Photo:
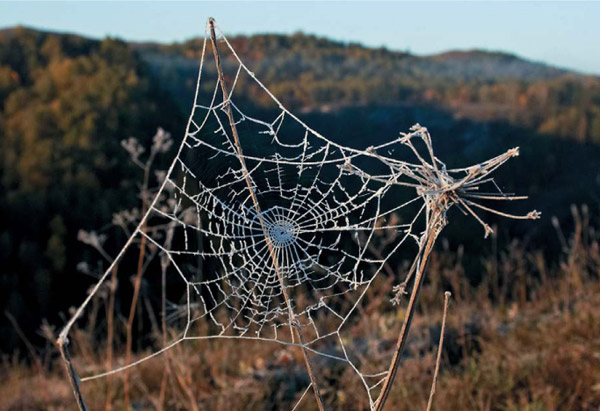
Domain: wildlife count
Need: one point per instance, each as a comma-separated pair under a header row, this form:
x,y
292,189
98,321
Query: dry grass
x,y
527,338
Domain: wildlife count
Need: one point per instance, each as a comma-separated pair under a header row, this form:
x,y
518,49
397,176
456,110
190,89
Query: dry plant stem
x,y
164,263
163,326
136,292
23,337
292,317
163,388
110,315
185,384
431,236
447,295
73,379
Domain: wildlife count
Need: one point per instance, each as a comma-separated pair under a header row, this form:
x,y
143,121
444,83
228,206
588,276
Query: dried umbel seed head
x,y
441,188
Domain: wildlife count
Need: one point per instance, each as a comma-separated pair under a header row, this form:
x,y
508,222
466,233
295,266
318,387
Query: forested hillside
x,y
314,73
66,102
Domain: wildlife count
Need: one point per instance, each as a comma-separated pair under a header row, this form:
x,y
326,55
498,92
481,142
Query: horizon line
x,y
407,51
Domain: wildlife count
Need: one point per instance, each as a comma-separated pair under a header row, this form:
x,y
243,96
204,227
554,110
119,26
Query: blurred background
x,y
78,78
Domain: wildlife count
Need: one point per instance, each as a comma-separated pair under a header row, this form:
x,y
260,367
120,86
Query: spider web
x,y
273,231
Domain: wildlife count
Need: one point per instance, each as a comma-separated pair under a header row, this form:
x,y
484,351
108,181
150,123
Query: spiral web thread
x,y
277,231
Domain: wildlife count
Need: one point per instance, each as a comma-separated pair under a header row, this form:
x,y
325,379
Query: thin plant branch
x,y
34,357
438,359
73,378
292,316
410,310
110,315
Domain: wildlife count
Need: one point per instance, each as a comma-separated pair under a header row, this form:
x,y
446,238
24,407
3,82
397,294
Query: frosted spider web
x,y
275,231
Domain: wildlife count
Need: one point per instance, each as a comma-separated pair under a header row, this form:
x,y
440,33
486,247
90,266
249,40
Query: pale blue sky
x,y
563,34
